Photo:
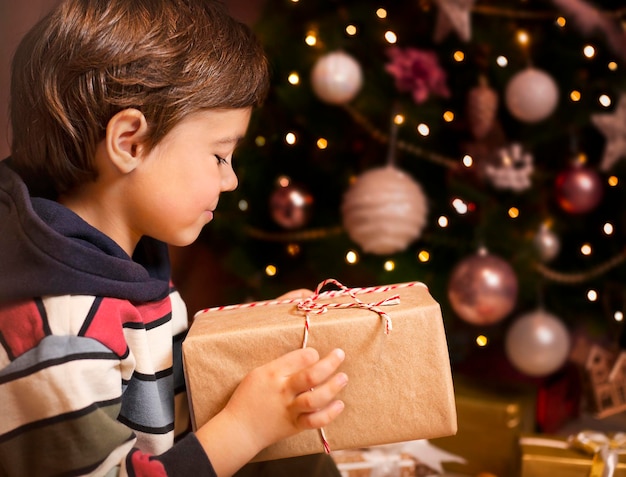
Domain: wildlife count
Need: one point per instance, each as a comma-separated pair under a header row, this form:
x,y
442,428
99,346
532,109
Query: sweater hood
x,y
46,249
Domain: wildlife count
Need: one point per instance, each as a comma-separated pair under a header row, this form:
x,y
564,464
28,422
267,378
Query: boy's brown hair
x,y
89,59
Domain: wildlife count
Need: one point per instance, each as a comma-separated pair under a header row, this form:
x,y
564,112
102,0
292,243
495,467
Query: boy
x,y
125,116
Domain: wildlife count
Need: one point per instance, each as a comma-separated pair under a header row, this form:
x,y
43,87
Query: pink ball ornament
x,y
482,288
531,95
291,206
537,343
578,189
384,210
336,78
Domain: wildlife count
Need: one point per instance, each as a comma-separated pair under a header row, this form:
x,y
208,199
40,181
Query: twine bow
x,y
604,449
312,305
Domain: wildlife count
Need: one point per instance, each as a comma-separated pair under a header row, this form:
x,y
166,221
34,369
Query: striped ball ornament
x,y
384,210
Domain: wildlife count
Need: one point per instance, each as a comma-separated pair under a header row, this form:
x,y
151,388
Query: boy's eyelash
x,y
221,160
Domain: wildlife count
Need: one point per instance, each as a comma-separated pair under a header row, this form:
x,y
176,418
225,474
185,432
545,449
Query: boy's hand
x,y
296,391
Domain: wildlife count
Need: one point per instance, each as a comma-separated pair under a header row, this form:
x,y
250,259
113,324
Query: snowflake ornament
x,y
514,171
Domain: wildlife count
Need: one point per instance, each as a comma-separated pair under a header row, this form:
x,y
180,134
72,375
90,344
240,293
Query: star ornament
x,y
454,15
423,451
613,127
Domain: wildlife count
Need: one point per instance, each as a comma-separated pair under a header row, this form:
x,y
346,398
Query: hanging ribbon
x,y
604,449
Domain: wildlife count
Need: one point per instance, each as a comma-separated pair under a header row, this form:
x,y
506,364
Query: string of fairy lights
x,y
422,129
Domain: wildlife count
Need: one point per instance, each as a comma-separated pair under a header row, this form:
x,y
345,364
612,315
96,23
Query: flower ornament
x,y
418,72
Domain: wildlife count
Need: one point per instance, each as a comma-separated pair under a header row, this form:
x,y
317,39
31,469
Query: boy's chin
x,y
184,240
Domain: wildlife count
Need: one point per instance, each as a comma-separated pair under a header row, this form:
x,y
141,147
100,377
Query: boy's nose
x,y
229,180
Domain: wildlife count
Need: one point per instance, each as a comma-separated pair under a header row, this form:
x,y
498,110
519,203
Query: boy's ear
x,y
124,135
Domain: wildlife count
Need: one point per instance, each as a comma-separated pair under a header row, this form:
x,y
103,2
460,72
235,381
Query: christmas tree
x,y
474,146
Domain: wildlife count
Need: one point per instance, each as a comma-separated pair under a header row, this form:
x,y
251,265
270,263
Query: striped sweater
x,y
91,378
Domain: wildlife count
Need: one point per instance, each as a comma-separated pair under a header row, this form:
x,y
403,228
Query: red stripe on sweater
x,y
21,327
143,466
106,324
154,311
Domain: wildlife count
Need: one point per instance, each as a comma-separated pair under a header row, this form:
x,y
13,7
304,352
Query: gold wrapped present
x,y
400,384
491,418
586,454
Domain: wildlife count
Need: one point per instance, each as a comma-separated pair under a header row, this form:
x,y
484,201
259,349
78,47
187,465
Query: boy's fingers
x,y
317,373
321,418
320,396
294,361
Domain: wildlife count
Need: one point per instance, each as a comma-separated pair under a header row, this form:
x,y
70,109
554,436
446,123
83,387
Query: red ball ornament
x,y
578,189
291,206
483,289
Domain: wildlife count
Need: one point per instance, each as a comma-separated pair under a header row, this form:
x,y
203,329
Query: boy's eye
x,y
221,160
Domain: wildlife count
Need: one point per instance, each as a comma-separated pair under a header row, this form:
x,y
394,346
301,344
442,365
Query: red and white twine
x,y
313,305
323,295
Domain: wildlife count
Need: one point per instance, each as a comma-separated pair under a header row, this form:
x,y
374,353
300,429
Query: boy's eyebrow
x,y
230,140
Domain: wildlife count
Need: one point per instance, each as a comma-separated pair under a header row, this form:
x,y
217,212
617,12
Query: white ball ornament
x,y
537,343
384,210
336,78
531,95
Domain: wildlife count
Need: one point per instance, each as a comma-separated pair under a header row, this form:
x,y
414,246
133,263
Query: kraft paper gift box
x,y
545,455
400,385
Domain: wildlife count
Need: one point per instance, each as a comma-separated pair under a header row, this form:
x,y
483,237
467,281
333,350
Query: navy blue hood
x,y
46,249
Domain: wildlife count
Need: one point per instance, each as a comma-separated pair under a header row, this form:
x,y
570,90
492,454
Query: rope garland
x,y
580,277
297,236
490,10
570,278
384,138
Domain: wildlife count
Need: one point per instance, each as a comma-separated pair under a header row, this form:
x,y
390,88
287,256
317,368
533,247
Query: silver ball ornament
x,y
531,95
482,288
384,210
546,243
537,343
336,78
